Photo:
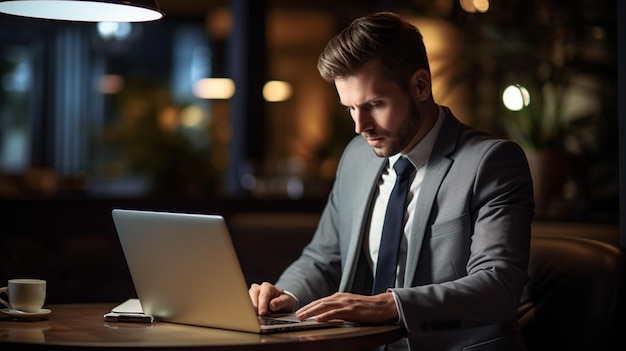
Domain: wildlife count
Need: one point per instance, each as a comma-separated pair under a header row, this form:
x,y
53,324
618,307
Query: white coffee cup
x,y
27,295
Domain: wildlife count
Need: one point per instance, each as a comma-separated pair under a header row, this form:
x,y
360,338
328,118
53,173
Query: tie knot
x,y
403,167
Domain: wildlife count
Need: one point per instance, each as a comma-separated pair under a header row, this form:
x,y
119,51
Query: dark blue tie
x,y
393,228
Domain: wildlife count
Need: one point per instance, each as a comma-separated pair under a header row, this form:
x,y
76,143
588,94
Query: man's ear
x,y
421,84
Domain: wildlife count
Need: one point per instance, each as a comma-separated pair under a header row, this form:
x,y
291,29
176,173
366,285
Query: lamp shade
x,y
84,10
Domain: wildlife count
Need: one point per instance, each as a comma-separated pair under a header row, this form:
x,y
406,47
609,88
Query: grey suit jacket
x,y
467,256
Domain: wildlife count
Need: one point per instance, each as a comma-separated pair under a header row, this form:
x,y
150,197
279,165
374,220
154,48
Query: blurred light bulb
x,y
276,91
114,30
481,5
515,97
214,88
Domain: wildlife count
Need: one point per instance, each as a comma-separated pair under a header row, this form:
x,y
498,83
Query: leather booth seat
x,y
574,299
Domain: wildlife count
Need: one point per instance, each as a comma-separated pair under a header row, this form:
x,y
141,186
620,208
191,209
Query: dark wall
x,y
621,62
73,244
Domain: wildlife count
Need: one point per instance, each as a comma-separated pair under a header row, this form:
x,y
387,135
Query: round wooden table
x,y
81,326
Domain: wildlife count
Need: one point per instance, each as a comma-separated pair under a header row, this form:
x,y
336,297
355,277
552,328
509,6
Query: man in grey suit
x,y
463,253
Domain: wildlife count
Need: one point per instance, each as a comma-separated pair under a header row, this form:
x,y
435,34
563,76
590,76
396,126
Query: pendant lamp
x,y
84,10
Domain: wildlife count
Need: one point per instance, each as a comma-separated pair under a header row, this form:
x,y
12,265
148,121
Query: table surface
x,y
81,326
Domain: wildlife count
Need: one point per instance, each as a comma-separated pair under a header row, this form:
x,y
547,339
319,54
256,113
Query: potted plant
x,y
551,137
552,60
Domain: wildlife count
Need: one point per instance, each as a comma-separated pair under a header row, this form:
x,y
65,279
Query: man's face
x,y
383,113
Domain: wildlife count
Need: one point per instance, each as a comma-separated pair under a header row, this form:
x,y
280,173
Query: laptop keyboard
x,y
264,320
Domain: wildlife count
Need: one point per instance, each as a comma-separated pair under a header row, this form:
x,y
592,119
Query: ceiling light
x,y
84,10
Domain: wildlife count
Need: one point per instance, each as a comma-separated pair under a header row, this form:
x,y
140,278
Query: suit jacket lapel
x,y
436,169
362,203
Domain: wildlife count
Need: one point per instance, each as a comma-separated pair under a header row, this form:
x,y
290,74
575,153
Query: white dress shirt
x,y
419,157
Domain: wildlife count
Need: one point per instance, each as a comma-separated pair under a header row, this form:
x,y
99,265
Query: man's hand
x,y
377,309
267,298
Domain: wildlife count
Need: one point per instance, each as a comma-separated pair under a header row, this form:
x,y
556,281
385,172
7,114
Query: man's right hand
x,y
268,298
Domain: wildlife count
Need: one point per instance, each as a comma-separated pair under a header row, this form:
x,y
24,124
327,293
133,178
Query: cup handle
x,y
4,290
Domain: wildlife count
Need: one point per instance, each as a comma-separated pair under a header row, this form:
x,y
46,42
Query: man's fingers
x,y
265,296
281,303
254,295
380,308
262,295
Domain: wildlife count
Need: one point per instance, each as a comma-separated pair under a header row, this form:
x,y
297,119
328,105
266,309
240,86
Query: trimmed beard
x,y
407,131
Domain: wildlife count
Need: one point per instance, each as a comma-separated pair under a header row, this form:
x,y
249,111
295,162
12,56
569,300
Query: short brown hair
x,y
383,38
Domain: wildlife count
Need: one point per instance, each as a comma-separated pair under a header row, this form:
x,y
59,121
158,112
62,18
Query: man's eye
x,y
374,104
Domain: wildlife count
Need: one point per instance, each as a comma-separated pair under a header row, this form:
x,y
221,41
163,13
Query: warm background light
x,y
111,84
214,88
475,5
276,91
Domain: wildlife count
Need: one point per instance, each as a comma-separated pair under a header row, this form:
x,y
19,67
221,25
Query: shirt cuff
x,y
292,295
400,320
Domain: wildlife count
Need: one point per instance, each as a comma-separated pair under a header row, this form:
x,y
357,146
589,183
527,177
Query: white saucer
x,y
25,315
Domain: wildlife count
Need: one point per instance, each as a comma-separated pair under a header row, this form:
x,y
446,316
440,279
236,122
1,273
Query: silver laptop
x,y
185,270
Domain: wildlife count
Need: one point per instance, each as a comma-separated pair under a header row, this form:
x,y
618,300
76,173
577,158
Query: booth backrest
x,y
574,299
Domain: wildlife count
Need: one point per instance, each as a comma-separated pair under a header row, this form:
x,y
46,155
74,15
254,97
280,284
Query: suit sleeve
x,y
317,272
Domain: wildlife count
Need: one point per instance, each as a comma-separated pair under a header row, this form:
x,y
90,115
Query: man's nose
x,y
362,121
